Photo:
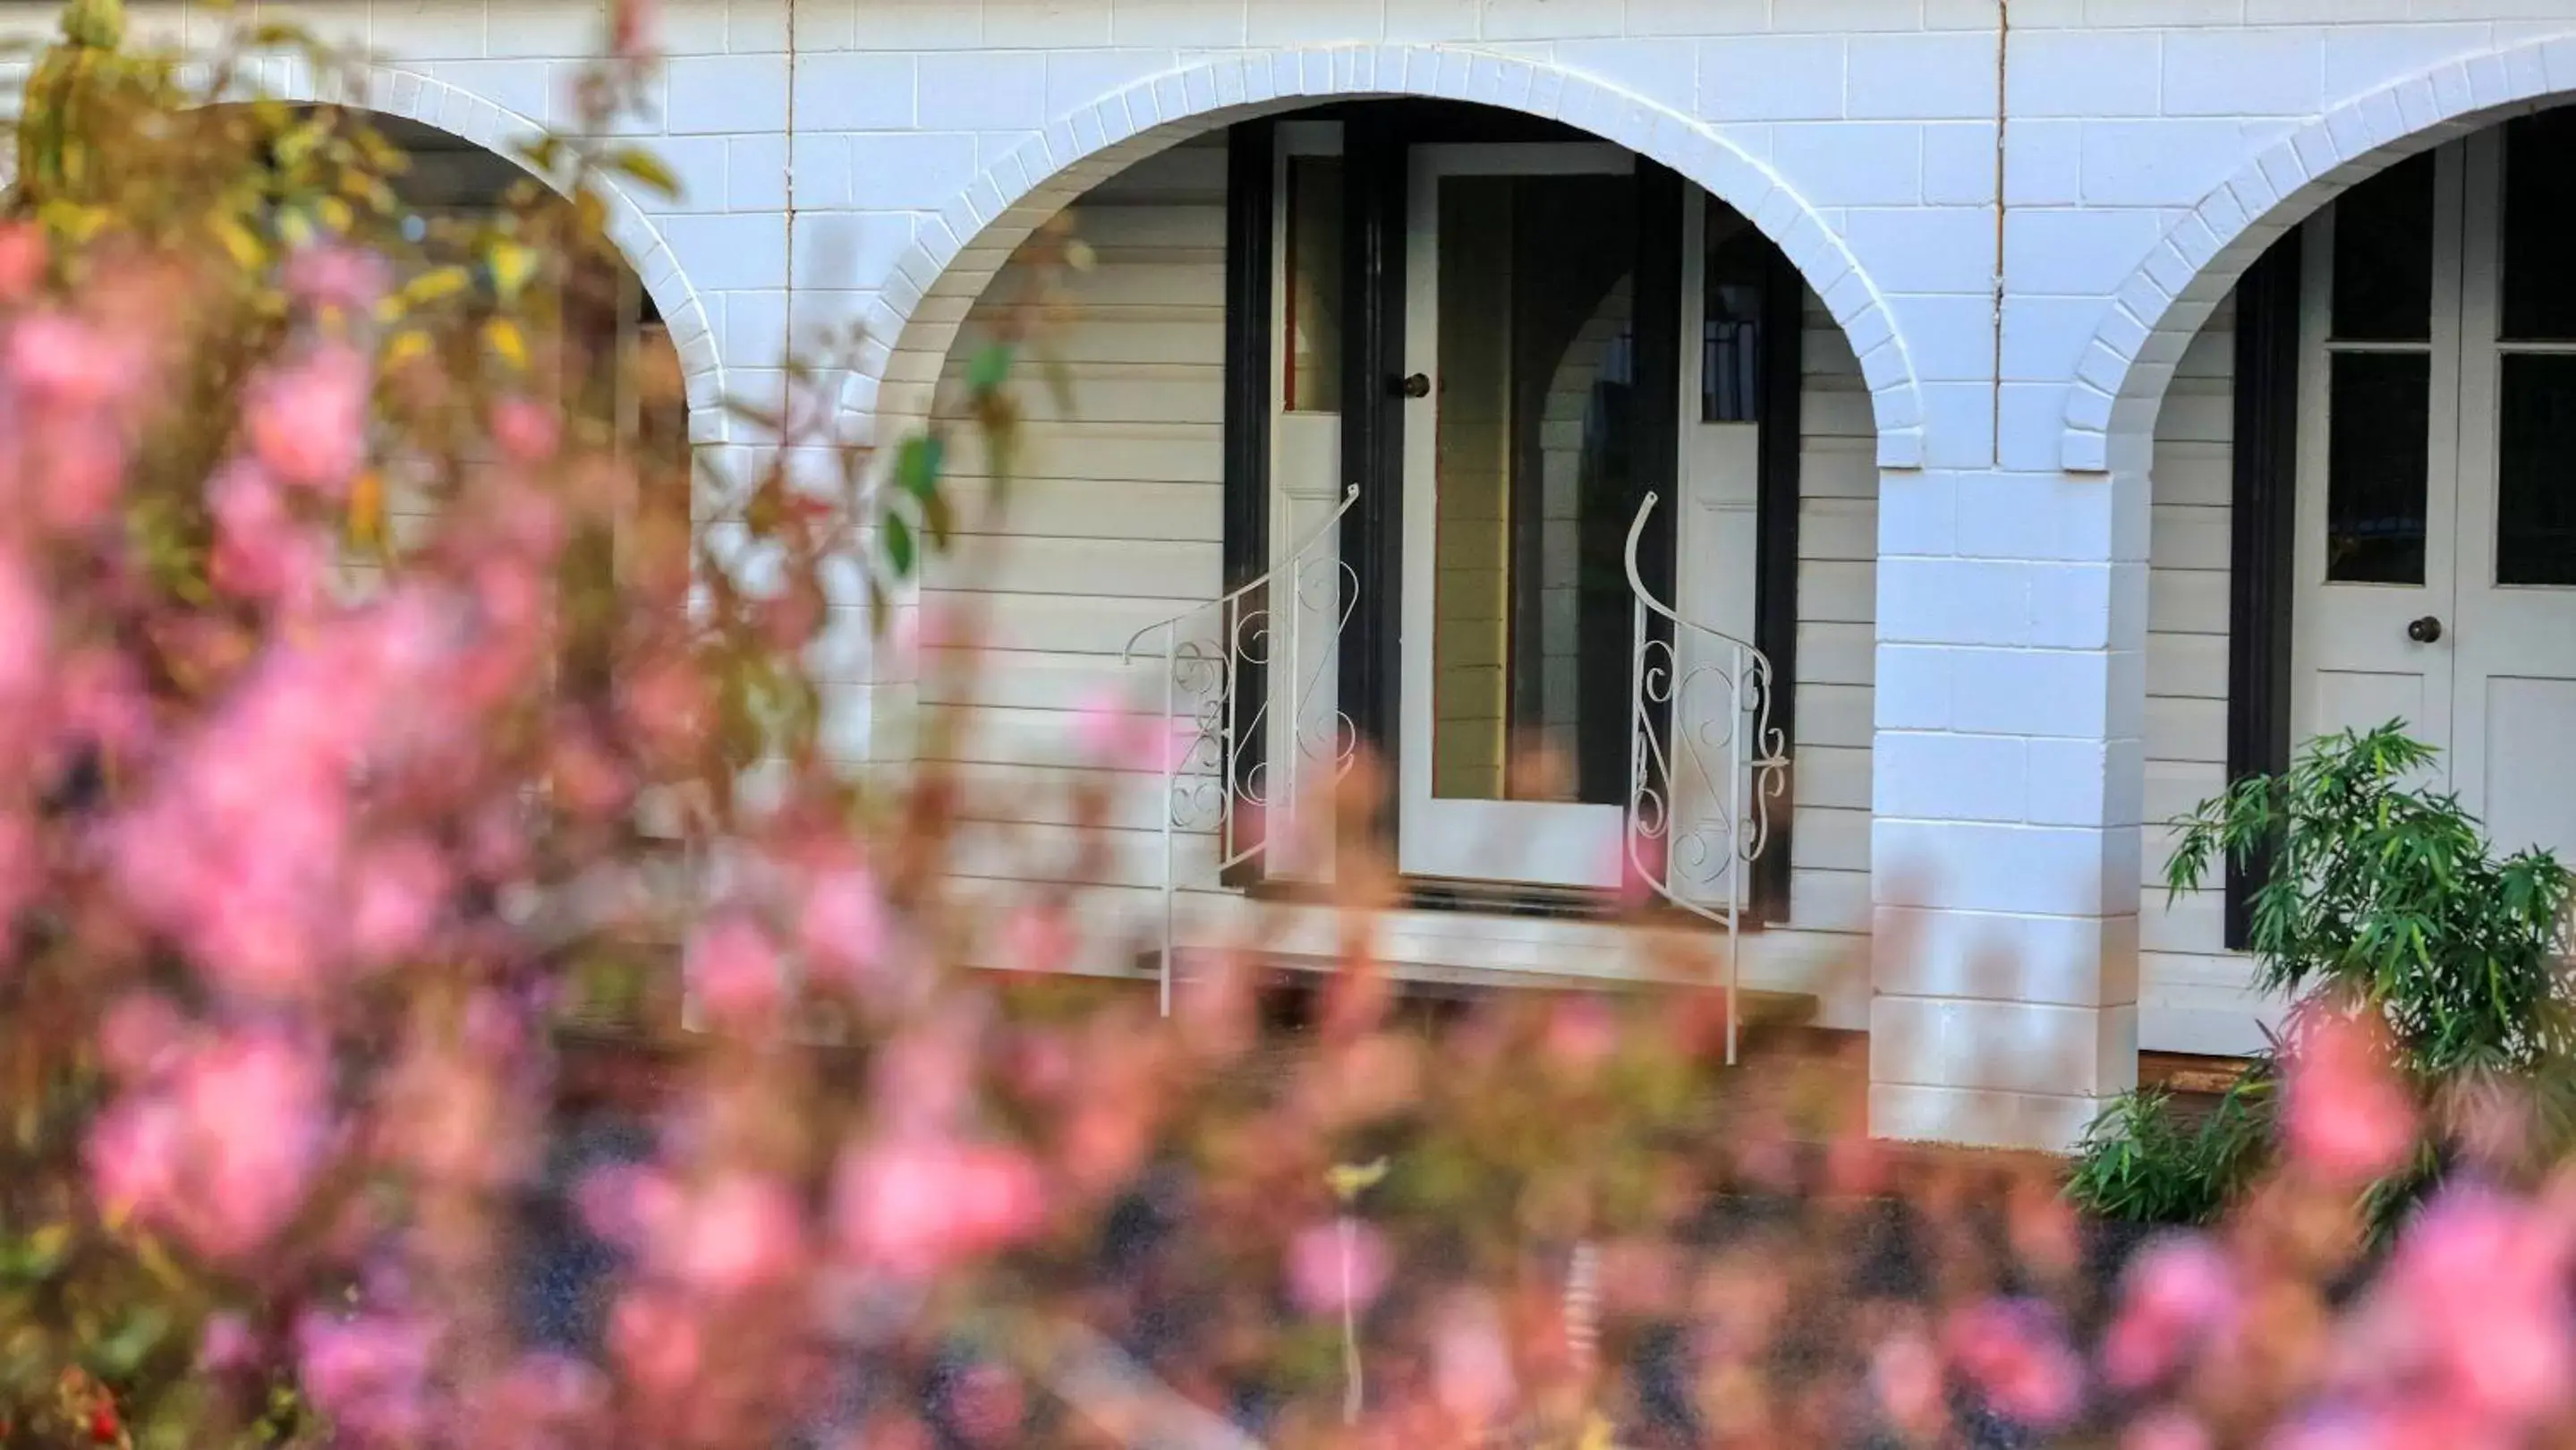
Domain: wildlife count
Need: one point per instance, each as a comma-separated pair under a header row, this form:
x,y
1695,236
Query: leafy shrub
x,y
2148,1160
2383,898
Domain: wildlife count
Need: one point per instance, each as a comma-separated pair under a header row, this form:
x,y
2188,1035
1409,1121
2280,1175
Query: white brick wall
x,y
873,160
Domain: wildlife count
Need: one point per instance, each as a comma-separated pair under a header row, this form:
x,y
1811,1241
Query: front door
x,y
1515,709
2437,509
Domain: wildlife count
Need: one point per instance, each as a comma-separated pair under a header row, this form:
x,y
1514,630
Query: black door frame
x,y
1377,137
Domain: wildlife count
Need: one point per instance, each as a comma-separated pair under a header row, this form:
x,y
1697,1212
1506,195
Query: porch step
x,y
1428,983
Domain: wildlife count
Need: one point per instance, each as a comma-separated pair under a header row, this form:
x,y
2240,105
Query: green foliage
x,y
2381,894
2144,1159
2385,893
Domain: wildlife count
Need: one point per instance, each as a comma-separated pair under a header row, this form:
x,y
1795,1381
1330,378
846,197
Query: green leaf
x,y
899,544
647,169
917,467
990,367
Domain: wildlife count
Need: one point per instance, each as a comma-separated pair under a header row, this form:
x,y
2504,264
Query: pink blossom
x,y
2179,1291
140,1034
1111,733
26,634
1338,1265
226,1344
1905,1374
656,1341
525,431
222,1153
2475,1294
987,1404
335,275
84,458
2165,1429
2015,1354
911,1207
396,891
738,1233
69,365
1035,939
2345,1115
369,1373
261,551
734,970
1640,870
22,260
307,421
841,926
1581,1034
1471,1362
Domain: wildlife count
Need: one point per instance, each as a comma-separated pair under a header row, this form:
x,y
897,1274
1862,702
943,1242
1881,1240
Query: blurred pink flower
x,y
396,890
735,971
2177,1293
987,1403
225,1344
2345,1114
337,275
140,1034
307,421
841,925
1114,733
261,550
1341,1264
1581,1034
223,1152
22,260
1036,939
369,1373
83,465
2475,1293
1471,1362
2016,1355
1905,1374
68,365
738,1233
526,431
910,1207
26,635
656,1341
2165,1429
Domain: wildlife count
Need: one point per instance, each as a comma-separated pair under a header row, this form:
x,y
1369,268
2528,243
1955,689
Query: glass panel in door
x,y
2514,636
1515,696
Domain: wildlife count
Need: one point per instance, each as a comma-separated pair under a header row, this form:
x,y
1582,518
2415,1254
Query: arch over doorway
x,y
2121,374
957,253
454,111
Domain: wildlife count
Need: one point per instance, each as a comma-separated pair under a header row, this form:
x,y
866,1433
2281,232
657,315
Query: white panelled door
x,y
1513,740
2437,502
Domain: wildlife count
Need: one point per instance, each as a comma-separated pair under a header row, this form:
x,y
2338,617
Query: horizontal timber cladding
x,y
2193,992
1115,518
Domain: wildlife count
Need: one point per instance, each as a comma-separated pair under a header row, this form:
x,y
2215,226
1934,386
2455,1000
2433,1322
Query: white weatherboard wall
x,y
1114,521
2194,994
863,162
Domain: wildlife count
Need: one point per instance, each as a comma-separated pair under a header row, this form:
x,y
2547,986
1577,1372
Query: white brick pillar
x,y
2009,767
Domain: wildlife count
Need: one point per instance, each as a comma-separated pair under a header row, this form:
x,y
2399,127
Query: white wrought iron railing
x,y
1706,764
1285,626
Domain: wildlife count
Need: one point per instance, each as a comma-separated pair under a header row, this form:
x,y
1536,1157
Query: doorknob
x,y
1416,386
2425,630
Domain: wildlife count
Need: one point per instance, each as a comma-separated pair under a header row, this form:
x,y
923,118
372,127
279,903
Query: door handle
x,y
2425,630
1416,386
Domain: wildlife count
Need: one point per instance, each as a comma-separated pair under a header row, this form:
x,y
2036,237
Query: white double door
x,y
1516,701
2436,527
